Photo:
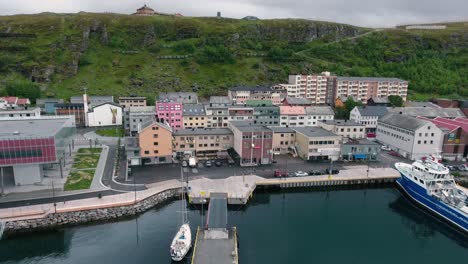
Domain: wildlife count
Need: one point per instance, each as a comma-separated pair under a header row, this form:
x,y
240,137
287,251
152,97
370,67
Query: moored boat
x,y
429,183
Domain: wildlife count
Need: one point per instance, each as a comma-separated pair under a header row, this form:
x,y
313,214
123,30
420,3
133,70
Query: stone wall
x,y
58,220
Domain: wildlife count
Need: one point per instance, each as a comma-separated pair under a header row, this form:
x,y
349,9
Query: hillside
x,y
123,55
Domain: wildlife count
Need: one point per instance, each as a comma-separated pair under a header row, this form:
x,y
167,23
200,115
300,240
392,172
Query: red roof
x,y
450,124
10,99
23,101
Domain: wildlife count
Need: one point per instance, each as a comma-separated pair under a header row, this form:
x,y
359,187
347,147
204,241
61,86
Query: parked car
x,y
385,147
218,163
393,153
231,161
280,173
301,174
184,163
450,167
273,161
462,168
208,163
333,171
316,172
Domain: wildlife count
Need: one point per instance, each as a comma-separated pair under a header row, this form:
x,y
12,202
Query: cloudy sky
x,y
374,13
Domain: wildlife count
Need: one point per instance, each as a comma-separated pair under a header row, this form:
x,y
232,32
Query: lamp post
x,y
1,175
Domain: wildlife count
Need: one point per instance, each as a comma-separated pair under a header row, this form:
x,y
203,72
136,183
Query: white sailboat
x,y
182,241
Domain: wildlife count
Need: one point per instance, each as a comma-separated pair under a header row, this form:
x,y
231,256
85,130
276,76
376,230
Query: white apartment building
x,y
293,116
21,113
318,88
364,88
411,137
345,128
368,116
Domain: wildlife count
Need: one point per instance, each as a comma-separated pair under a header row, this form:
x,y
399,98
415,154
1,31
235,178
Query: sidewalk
x,y
42,210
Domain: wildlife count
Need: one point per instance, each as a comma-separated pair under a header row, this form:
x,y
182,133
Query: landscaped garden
x,y
84,166
110,132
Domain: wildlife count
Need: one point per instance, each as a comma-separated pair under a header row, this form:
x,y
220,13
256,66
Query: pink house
x,y
170,113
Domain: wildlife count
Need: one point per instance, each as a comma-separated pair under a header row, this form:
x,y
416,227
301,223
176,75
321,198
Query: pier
x,y
216,243
239,189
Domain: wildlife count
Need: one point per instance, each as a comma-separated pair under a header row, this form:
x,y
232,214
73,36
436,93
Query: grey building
x,y
47,105
135,117
429,112
180,97
264,112
360,149
368,116
92,100
220,101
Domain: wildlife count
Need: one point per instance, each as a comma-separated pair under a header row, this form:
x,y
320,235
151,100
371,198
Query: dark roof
x,y
249,126
66,105
314,132
259,103
194,110
380,100
43,101
298,101
360,141
339,122
220,100
319,110
132,98
278,129
428,111
373,79
251,88
111,103
180,97
203,131
403,121
422,104
372,110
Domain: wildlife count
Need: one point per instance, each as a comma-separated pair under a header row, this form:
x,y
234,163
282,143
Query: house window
x,y
155,152
146,151
155,143
182,146
155,136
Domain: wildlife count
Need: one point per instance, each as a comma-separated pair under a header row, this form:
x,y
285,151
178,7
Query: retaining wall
x,y
63,219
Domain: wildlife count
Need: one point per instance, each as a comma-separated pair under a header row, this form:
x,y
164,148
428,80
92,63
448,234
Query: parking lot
x,y
156,173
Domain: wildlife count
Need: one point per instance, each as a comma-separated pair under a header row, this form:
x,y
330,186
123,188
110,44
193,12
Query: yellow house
x,y
194,116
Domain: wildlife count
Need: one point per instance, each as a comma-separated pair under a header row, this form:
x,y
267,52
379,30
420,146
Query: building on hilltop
x,y
318,88
145,11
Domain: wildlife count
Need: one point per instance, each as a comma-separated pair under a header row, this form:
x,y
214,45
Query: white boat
x,y
182,241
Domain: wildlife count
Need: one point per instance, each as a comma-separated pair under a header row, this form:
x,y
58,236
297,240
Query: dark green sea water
x,y
346,226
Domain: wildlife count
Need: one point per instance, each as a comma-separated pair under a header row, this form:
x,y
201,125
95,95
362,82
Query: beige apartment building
x,y
203,143
315,143
317,87
363,88
284,139
345,128
194,116
132,101
155,143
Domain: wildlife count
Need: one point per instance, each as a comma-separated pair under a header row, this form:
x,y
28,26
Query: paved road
x,y
156,173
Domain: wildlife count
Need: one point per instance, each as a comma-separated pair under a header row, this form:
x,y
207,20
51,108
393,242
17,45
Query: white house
x,y
368,116
411,137
316,113
106,114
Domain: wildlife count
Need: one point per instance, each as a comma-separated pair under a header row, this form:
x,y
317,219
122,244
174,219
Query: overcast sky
x,y
374,13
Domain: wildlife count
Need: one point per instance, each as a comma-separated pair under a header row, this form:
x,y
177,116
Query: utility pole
x,y
1,175
53,197
61,169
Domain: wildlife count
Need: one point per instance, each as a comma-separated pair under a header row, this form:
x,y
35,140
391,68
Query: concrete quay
x,y
240,188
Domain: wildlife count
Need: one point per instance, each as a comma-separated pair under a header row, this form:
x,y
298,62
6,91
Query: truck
x,y
192,162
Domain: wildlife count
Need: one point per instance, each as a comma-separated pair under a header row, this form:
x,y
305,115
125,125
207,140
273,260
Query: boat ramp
x,y
216,243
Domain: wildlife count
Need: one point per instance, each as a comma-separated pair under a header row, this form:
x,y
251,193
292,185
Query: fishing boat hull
x,y
181,243
438,208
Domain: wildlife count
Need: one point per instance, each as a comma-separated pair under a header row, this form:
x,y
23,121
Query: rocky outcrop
x,y
150,36
59,220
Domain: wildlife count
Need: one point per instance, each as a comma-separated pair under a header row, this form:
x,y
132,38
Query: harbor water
x,y
341,226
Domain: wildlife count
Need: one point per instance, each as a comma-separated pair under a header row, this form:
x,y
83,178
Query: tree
x,y
343,112
24,88
395,100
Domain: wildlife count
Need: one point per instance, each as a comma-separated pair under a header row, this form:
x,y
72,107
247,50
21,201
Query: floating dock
x,y
216,243
240,188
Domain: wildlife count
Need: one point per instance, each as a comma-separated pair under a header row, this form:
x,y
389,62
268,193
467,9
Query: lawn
x,y
79,180
89,151
82,172
110,132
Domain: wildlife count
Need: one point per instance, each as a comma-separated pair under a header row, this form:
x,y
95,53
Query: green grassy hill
x,y
124,55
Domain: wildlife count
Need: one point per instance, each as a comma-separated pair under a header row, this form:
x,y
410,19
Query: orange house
x,y
155,142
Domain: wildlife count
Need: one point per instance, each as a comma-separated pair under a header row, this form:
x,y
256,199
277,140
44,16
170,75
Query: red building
x,y
253,143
